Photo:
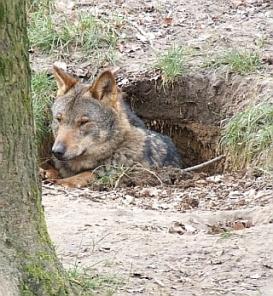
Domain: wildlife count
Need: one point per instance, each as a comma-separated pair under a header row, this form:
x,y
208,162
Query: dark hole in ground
x,y
189,111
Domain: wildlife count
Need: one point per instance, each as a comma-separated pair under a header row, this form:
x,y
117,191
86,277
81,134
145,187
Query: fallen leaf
x,y
178,228
140,276
241,224
216,229
268,59
238,225
121,47
167,21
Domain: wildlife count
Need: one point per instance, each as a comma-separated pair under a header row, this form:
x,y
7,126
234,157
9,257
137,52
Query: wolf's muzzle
x,y
58,150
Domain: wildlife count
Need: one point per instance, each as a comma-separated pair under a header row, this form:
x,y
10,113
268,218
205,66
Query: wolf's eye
x,y
83,121
59,118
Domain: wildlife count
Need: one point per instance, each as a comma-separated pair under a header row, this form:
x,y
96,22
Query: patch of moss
x,y
2,13
42,275
2,67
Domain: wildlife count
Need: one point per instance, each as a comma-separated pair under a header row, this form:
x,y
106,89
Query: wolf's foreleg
x,y
49,173
77,181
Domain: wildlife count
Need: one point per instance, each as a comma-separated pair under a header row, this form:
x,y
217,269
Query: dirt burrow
x,y
193,109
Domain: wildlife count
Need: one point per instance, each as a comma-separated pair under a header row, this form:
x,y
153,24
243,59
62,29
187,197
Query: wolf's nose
x,y
59,151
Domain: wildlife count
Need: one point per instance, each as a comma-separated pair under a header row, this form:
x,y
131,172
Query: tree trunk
x,y
28,264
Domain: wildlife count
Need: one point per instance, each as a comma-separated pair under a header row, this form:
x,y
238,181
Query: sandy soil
x,y
213,238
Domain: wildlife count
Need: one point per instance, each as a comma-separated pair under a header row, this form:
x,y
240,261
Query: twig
x,y
84,4
204,164
95,243
142,32
157,281
150,172
53,187
74,281
139,29
120,177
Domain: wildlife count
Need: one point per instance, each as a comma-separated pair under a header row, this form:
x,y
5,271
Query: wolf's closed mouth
x,y
73,158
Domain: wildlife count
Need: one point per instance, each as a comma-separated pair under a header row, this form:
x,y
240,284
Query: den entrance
x,y
189,110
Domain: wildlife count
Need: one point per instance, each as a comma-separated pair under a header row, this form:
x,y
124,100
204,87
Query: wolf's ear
x,y
105,88
64,81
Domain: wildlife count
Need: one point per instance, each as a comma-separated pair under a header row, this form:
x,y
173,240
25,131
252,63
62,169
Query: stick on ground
x,y
204,164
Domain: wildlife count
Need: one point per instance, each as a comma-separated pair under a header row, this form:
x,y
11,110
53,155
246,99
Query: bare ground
x,y
212,238
209,235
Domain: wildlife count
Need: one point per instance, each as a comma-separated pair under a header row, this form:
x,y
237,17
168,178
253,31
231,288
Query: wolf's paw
x,y
48,173
77,181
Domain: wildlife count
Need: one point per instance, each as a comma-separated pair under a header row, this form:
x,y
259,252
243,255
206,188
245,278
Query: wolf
x,y
94,128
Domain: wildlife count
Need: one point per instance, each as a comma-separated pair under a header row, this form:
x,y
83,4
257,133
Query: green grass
x,y
241,62
94,285
43,33
110,176
43,88
96,37
247,139
226,234
91,35
39,5
94,33
171,64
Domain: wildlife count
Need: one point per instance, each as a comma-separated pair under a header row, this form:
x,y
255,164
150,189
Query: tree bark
x,y
28,264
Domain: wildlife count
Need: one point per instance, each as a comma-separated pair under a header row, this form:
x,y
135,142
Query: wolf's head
x,y
86,117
